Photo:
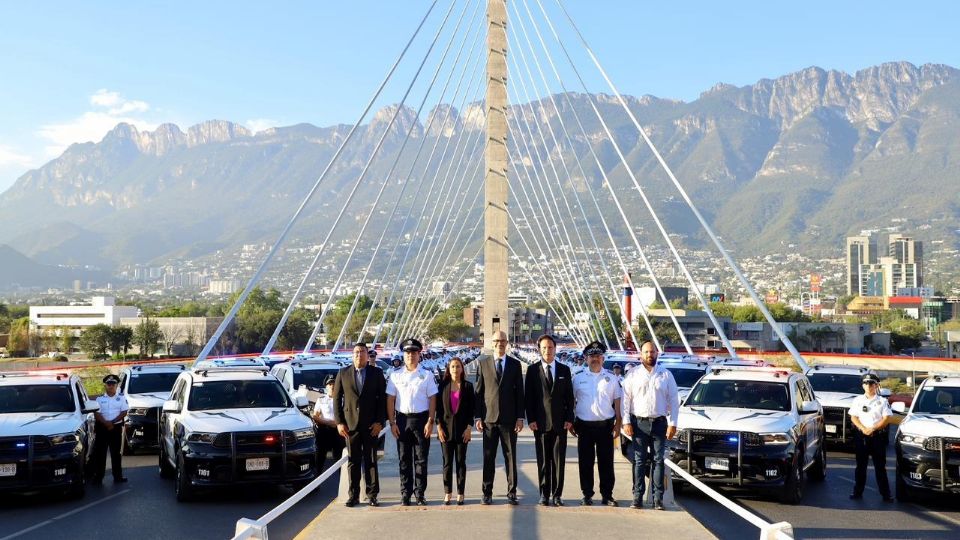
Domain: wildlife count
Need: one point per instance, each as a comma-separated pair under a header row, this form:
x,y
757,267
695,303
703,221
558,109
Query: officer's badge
x,y
606,378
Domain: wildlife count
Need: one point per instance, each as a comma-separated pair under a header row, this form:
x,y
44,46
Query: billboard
x,y
815,281
717,297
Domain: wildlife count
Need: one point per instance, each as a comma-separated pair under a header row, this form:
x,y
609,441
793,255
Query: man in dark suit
x,y
360,408
549,401
500,411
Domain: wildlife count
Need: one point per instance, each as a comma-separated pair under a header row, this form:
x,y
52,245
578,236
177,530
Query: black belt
x,y
596,423
650,418
422,414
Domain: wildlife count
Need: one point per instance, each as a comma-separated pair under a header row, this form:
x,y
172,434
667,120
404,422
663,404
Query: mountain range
x,y
802,159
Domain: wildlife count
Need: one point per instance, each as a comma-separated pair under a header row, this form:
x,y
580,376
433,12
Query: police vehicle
x,y
146,387
305,377
928,441
226,425
686,369
231,362
836,386
46,432
753,427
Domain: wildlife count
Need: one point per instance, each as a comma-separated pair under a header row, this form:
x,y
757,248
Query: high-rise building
x,y
907,270
861,250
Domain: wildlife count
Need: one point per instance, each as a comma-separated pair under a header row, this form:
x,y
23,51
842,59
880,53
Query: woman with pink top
x,y
455,410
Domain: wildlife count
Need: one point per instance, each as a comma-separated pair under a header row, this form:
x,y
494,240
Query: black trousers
x,y
551,457
328,441
874,446
506,437
362,454
413,449
454,452
106,438
595,442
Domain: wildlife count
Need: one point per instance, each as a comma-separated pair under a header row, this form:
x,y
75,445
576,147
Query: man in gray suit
x,y
500,410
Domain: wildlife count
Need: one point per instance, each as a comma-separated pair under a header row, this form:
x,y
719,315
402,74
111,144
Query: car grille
x,y
709,440
934,444
13,446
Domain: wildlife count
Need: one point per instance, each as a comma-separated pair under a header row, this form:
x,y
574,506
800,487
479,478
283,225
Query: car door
x,y
89,420
170,420
808,421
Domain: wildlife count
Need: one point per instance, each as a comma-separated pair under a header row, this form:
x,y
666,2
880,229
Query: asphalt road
x,y
827,512
146,508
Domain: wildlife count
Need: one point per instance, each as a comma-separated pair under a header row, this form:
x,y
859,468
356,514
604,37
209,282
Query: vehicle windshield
x,y
148,383
313,378
36,398
938,400
836,382
208,395
685,378
763,395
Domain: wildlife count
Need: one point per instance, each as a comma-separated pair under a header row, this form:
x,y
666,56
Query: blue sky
x,y
69,71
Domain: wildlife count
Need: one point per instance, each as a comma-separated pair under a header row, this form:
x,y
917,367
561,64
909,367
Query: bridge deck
x,y
499,520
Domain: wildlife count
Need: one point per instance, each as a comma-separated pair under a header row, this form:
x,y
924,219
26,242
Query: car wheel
x,y
678,487
793,487
78,487
903,491
184,488
166,470
819,470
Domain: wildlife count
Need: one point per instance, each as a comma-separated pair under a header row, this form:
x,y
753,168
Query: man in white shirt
x,y
328,440
411,408
109,428
597,394
870,413
651,405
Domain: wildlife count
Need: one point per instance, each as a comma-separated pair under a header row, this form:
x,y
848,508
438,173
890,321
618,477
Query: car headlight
x,y
682,436
302,434
200,437
912,440
139,411
775,438
63,438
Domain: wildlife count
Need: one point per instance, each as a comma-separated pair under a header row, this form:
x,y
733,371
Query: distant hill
x,y
802,159
17,270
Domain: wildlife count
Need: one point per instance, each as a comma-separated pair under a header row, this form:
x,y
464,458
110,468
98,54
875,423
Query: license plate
x,y
8,469
258,464
717,463
831,428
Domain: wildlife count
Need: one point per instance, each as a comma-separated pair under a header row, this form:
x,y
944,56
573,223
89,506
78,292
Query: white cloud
x,y
260,124
11,157
110,109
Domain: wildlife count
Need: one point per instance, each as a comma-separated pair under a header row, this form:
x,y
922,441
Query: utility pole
x,y
496,281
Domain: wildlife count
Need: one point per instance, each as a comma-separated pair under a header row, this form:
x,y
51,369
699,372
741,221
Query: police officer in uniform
x,y
597,394
411,408
328,440
109,431
870,414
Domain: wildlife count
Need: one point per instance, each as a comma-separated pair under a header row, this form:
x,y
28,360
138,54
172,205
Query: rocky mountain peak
x,y
213,131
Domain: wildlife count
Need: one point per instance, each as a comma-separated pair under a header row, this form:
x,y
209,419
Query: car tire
x,y
818,471
78,488
903,491
184,488
678,487
166,470
793,487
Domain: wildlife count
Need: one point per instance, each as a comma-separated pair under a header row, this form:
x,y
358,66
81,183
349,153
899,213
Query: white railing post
x,y
250,528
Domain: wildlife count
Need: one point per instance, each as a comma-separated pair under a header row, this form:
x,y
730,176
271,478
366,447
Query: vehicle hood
x,y
835,399
931,425
730,419
19,424
220,420
153,399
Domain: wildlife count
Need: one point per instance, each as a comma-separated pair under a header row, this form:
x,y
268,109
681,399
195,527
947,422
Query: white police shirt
x,y
413,389
111,407
648,394
870,411
324,406
594,394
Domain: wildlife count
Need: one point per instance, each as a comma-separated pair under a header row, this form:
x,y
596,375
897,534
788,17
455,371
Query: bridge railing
x,y
768,531
256,529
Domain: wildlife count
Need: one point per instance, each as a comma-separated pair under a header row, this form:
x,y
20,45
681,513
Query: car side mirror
x,y
808,407
899,407
90,406
885,392
171,406
301,401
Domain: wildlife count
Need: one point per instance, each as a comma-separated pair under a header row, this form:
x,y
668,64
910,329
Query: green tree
x,y
120,339
664,329
448,324
95,341
19,342
147,337
906,334
66,339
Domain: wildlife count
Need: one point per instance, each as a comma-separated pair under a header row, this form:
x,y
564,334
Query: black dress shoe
x,y
637,504
120,480
856,496
512,500
405,501
557,501
351,502
487,500
372,501
459,502
586,501
658,506
609,501
421,501
543,501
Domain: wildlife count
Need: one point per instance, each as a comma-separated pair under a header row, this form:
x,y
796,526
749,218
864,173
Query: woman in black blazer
x,y
455,413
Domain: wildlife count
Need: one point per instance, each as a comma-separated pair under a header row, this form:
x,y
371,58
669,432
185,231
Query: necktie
x,y
360,380
550,377
499,369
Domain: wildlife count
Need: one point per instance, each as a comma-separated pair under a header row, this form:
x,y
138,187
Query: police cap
x,y
111,379
411,345
870,378
329,380
594,347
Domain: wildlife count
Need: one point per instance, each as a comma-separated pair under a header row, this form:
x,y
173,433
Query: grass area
x,y
92,378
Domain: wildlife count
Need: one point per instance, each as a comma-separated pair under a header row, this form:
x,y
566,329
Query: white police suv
x,y
686,369
228,425
146,386
46,432
753,427
836,386
306,377
928,441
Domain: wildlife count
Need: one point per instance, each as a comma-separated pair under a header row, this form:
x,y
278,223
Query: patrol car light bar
x,y
861,369
251,369
59,376
142,367
940,376
762,369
